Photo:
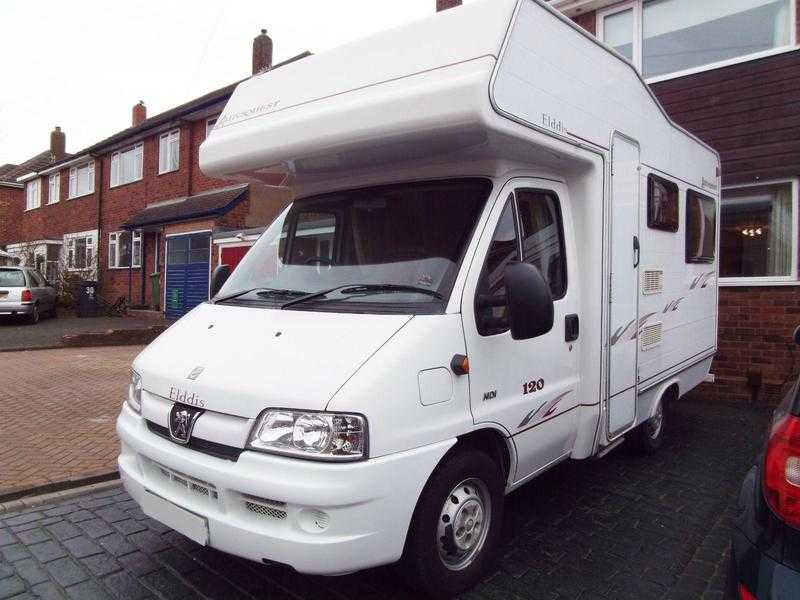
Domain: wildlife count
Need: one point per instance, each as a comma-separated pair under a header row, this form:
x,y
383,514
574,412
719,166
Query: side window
x,y
543,237
701,227
662,204
314,238
36,279
490,299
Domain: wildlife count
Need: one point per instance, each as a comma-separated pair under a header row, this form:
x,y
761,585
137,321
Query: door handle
x,y
636,251
571,328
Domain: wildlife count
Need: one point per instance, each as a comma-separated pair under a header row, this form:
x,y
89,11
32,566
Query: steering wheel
x,y
319,260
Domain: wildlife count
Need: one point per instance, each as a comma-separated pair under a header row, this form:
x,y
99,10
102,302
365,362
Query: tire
x,y
649,436
34,317
465,488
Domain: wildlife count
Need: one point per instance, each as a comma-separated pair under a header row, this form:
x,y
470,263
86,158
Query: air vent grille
x,y
195,486
653,282
651,336
266,508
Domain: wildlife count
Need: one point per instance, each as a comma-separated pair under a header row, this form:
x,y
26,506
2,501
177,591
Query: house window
x,y
701,227
54,188
81,180
662,203
126,166
80,251
169,151
210,125
122,245
665,37
758,237
33,194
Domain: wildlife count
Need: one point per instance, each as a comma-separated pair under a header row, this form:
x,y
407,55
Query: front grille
x,y
266,508
206,447
178,479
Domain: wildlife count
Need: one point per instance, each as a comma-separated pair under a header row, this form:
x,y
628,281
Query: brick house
x,y
134,211
729,72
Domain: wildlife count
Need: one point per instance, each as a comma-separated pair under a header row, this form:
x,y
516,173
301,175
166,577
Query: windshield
x,y
11,278
386,248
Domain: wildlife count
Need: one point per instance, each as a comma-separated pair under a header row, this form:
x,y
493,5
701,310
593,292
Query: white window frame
x,y
638,12
116,165
73,178
210,123
54,188
33,194
163,161
769,280
113,250
91,243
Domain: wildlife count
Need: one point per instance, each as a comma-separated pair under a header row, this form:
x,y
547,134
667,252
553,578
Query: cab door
x,y
528,387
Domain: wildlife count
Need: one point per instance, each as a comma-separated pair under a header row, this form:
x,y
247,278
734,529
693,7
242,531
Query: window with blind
x,y
54,188
81,180
664,37
169,151
33,194
701,227
127,165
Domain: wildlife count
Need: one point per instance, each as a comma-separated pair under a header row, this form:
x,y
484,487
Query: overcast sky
x,y
83,64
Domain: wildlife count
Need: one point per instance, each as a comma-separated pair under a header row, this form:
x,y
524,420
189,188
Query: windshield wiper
x,y
261,292
360,288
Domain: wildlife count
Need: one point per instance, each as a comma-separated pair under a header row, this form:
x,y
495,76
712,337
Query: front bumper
x,y
16,308
319,518
765,552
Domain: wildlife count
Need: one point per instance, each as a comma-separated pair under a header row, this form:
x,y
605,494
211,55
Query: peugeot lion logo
x,y
181,422
195,373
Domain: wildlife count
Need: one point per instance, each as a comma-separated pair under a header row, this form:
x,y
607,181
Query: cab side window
x,y
530,227
542,237
490,300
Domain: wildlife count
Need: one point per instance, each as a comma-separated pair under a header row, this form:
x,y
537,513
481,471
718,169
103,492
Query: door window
x,y
542,238
531,227
176,251
198,249
490,301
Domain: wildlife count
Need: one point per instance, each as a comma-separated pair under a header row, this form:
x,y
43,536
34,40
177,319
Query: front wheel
x,y
456,526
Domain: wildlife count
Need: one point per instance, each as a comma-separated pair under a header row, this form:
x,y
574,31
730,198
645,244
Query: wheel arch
x,y
495,443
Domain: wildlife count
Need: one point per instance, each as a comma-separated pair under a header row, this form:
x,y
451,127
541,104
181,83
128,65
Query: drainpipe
x,y
98,254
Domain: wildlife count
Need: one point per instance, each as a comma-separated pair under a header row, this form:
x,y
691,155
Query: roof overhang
x,y
75,160
11,184
208,204
27,177
573,8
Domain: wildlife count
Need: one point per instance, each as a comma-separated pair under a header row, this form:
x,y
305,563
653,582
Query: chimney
x,y
445,4
262,52
139,114
58,144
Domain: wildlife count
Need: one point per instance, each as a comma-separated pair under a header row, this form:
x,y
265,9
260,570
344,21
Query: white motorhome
x,y
502,254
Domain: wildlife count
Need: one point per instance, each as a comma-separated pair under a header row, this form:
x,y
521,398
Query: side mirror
x,y
218,278
797,335
530,304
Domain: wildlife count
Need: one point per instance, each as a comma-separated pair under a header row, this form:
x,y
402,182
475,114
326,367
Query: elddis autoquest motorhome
x,y
502,255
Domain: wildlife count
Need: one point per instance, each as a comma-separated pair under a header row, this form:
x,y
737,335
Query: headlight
x,y
317,435
135,392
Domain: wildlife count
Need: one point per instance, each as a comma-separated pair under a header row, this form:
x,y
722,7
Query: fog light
x,y
313,520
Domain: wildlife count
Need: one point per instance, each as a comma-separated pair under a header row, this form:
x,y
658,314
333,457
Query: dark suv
x,y
765,557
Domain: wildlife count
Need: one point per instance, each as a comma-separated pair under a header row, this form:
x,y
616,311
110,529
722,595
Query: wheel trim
x,y
464,522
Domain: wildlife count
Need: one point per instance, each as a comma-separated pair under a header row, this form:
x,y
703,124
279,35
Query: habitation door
x,y
623,286
187,273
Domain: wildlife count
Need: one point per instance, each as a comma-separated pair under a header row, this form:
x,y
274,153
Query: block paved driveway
x,y
622,527
57,413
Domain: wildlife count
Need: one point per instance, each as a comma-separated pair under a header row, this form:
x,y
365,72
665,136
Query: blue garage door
x,y
187,273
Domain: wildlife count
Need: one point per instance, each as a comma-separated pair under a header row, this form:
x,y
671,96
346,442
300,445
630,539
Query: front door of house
x,y
187,273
